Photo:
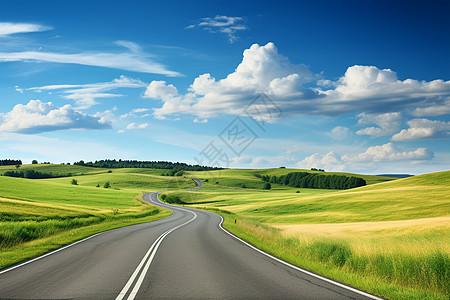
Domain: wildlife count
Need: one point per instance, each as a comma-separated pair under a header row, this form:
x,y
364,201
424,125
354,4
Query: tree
x,y
17,166
34,162
267,186
74,182
107,185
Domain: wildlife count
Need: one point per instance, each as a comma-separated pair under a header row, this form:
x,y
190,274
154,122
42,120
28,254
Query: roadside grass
x,y
39,215
390,238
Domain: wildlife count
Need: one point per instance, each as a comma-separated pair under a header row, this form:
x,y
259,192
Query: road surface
x,y
187,255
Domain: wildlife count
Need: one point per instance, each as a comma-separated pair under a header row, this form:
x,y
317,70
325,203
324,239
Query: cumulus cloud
x,y
420,129
262,69
297,91
85,95
328,161
132,126
221,24
439,107
129,61
387,123
386,153
7,28
37,117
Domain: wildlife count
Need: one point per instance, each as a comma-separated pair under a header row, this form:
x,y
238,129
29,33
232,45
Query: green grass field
x,y
390,237
38,215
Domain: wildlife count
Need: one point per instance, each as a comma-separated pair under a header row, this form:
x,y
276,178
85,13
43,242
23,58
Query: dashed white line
x,y
147,260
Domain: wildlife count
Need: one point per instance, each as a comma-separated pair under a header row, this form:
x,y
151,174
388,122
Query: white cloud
x,y
420,129
129,61
370,89
7,28
221,24
136,113
329,161
373,156
339,133
437,108
37,116
291,87
388,123
84,95
18,89
132,126
262,69
388,152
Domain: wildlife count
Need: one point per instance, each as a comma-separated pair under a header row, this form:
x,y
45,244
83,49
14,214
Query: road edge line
x,y
50,253
355,290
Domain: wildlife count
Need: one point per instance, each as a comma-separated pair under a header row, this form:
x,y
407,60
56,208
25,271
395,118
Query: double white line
x,y
147,260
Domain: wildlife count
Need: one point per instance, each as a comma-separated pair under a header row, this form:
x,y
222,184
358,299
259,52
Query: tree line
x,y
32,174
315,180
112,163
10,162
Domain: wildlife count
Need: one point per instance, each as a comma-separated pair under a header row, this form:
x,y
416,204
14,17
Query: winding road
x,y
187,255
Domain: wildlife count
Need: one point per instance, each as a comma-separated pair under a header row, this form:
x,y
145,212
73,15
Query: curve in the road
x,y
198,259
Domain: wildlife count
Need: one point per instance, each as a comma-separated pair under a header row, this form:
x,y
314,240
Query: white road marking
x,y
50,253
151,252
298,268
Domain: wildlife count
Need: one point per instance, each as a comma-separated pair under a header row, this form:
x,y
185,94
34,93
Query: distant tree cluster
x,y
10,162
173,172
314,169
316,181
172,199
32,174
112,163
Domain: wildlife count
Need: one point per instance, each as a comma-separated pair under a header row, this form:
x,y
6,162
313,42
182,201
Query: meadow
x,y
38,215
390,237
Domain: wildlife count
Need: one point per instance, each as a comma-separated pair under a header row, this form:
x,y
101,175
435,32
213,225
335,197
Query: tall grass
x,y
396,276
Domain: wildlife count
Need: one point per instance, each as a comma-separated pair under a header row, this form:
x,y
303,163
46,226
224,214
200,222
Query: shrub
x,y
98,185
109,171
267,186
297,191
74,182
107,185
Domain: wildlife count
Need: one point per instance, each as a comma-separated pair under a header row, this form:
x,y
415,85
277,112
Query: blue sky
x,y
358,86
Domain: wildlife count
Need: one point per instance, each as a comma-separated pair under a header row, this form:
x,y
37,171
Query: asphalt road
x,y
187,255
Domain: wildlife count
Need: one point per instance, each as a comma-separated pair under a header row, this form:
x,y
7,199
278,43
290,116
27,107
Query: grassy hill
x,y
390,237
38,215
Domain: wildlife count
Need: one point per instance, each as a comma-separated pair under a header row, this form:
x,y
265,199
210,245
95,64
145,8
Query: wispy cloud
x,y
136,113
133,60
132,126
7,28
221,24
84,95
